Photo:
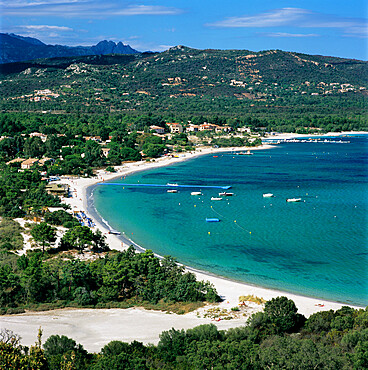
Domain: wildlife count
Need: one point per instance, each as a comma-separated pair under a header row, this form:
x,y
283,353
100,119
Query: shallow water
x,y
317,247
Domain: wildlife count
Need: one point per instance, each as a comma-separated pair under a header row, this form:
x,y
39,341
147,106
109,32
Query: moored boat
x,y
195,193
268,195
216,198
294,199
248,152
225,194
212,220
172,191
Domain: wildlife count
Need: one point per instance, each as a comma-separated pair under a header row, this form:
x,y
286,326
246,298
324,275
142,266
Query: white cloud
x,y
286,34
296,17
83,8
45,28
273,18
147,10
25,3
48,34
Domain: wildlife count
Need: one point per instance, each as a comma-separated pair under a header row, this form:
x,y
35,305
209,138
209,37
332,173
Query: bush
x,y
14,311
61,217
10,235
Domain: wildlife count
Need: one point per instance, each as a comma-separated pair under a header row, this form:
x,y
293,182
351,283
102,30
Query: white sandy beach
x,y
94,328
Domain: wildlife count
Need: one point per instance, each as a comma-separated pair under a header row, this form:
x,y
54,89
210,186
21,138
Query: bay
x,y
316,247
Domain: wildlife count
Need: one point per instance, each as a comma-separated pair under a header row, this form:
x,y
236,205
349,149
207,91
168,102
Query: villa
x,y
175,128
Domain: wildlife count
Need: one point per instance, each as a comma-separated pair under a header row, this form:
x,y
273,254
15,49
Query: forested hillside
x,y
182,82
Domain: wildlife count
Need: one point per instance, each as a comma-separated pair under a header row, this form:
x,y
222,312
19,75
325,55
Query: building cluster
x,y
208,127
324,88
40,95
26,164
315,89
37,96
177,128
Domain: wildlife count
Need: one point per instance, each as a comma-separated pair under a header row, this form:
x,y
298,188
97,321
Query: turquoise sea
x,y
317,247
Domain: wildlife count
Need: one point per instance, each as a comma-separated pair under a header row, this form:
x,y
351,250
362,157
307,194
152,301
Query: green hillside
x,y
184,81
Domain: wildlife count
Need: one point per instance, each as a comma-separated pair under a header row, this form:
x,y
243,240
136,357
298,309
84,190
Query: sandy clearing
x,y
96,327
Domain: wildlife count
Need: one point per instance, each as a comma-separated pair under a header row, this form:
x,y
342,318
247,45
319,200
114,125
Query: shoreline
x,y
227,288
94,328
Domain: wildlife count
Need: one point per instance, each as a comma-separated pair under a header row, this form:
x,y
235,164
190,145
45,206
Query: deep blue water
x,y
317,247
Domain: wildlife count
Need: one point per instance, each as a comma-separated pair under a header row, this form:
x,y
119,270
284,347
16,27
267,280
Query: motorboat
x,y
195,193
294,199
216,198
212,220
225,194
268,195
248,152
172,191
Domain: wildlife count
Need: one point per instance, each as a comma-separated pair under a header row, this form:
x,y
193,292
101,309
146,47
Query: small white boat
x,y
195,193
225,194
246,153
294,199
172,191
216,198
268,195
172,184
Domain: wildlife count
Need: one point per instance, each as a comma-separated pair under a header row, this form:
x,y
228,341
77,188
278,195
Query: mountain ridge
x,y
15,48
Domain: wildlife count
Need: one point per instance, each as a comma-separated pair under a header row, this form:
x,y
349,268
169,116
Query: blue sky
x,y
327,27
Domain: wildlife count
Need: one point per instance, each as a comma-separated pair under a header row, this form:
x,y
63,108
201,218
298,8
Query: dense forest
x,y
278,338
38,280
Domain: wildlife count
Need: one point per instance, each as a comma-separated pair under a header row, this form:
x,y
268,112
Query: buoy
x,y
234,220
209,233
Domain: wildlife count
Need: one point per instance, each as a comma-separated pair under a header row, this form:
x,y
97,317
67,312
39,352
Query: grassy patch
x,y
179,308
251,298
217,313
